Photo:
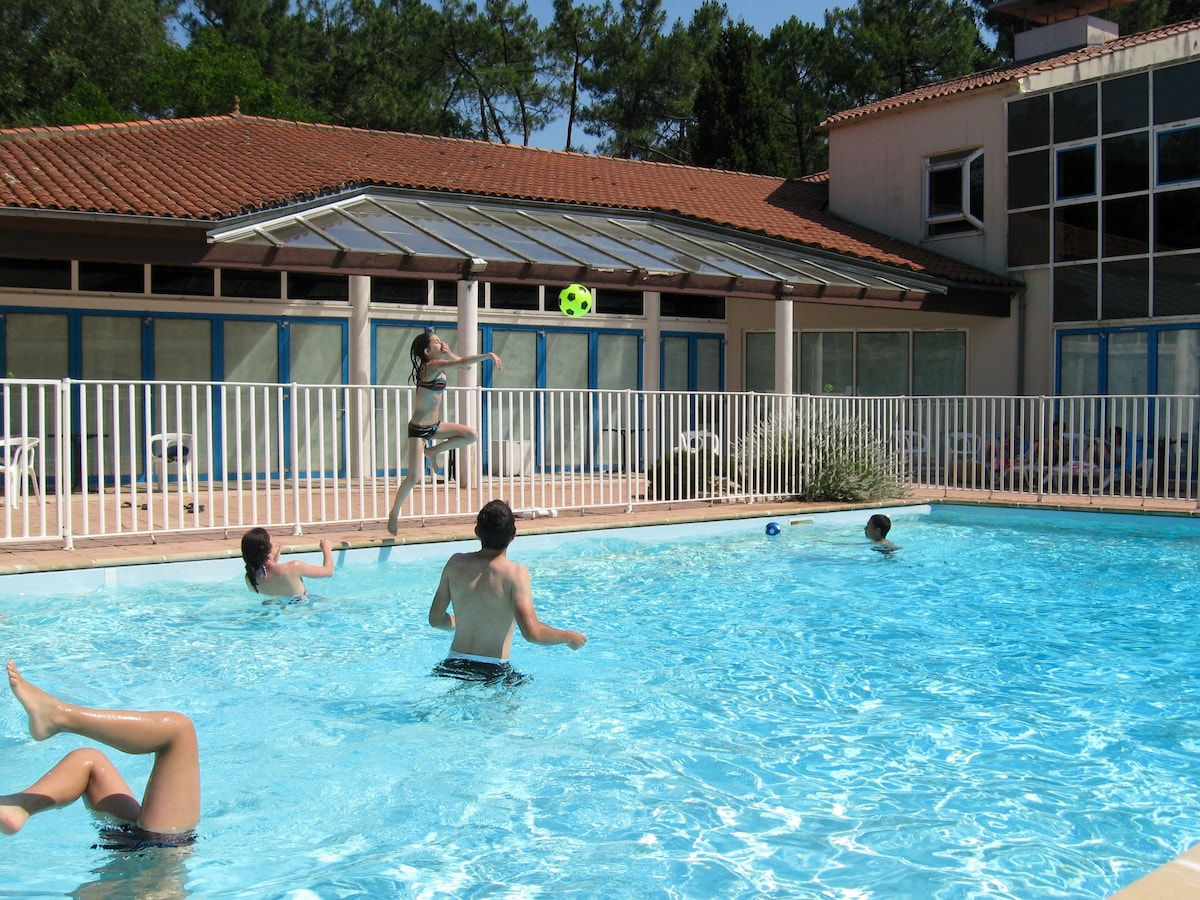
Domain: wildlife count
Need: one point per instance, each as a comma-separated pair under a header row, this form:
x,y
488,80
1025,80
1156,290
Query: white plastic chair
x,y
173,451
18,460
696,441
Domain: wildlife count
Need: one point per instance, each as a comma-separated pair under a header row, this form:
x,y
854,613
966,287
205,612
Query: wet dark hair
x,y
495,525
417,353
256,550
880,522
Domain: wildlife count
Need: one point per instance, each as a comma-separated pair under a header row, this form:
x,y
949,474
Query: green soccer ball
x,y
575,300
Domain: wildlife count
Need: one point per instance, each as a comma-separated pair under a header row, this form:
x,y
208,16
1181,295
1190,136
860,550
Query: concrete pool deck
x,y
1179,878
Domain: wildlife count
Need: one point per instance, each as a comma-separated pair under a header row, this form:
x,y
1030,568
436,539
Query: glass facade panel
x,y
1075,294
1177,285
1175,94
1126,289
827,362
1179,155
112,347
1029,238
1075,232
1029,179
617,363
113,278
760,362
519,351
314,286
1127,226
1176,222
251,351
35,345
46,274
619,303
1126,369
567,359
1126,103
882,363
1029,123
674,364
189,281
251,283
1079,364
1126,163
408,291
1179,361
939,363
1076,171
515,296
316,352
183,350
708,364
393,365
1075,113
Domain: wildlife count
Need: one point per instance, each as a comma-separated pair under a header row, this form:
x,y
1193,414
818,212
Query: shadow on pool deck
x,y
1178,878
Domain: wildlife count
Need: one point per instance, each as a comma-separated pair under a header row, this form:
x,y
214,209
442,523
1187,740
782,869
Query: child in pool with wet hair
x,y
876,530
265,574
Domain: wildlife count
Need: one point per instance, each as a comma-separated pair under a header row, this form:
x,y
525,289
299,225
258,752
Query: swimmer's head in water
x,y
495,526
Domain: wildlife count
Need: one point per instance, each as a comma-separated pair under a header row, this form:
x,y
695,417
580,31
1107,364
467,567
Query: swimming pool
x,y
1004,707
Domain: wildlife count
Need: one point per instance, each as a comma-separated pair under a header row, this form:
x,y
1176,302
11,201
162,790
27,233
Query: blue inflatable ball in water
x,y
772,529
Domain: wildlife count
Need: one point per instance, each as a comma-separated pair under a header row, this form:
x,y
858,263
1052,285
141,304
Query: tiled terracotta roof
x,y
216,167
1008,73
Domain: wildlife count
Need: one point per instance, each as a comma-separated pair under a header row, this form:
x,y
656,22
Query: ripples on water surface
x,y
1006,707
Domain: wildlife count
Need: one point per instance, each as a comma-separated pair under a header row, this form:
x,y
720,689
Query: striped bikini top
x,y
437,385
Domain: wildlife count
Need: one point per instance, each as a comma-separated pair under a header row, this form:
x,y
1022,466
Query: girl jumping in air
x,y
431,357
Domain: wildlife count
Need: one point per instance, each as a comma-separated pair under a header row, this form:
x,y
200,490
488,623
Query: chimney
x,y
1054,26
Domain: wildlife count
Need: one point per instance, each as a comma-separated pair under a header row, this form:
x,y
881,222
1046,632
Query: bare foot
x,y
12,818
431,454
38,704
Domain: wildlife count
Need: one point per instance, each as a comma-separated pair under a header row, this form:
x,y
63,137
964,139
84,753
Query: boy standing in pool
x,y
491,595
876,530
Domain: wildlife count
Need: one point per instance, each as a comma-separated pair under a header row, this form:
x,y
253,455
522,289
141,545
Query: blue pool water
x,y
1005,707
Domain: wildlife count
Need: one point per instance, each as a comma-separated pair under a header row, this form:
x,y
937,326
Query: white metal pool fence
x,y
88,459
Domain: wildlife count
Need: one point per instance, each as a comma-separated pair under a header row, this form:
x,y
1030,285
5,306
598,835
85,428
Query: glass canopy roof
x,y
480,232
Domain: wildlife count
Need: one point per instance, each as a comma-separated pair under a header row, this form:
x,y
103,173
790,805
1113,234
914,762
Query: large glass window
x,y
35,345
48,274
760,362
1127,226
882,363
1126,289
1076,172
827,362
1179,361
1075,114
1079,364
1029,179
1126,103
1029,123
1126,163
1075,294
1175,94
1126,362
617,363
1179,155
1075,232
1176,222
954,191
939,363
183,349
1177,285
112,347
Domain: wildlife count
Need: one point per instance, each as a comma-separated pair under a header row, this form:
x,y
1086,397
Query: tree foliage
x,y
706,91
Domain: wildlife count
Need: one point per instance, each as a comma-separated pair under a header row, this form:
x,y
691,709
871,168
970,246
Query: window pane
x,y
1029,238
112,347
1075,232
1029,123
1127,226
306,286
1126,287
1126,163
1079,364
1177,285
1175,94
1178,155
619,303
516,296
1179,361
445,293
827,362
1176,224
939,363
115,278
36,345
252,352
189,281
518,350
1076,172
316,353
1126,103
1075,294
675,364
692,306
1128,372
250,283
617,366
708,364
1075,114
760,362
567,359
409,291
975,179
1029,179
882,363
945,191
50,274
182,350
